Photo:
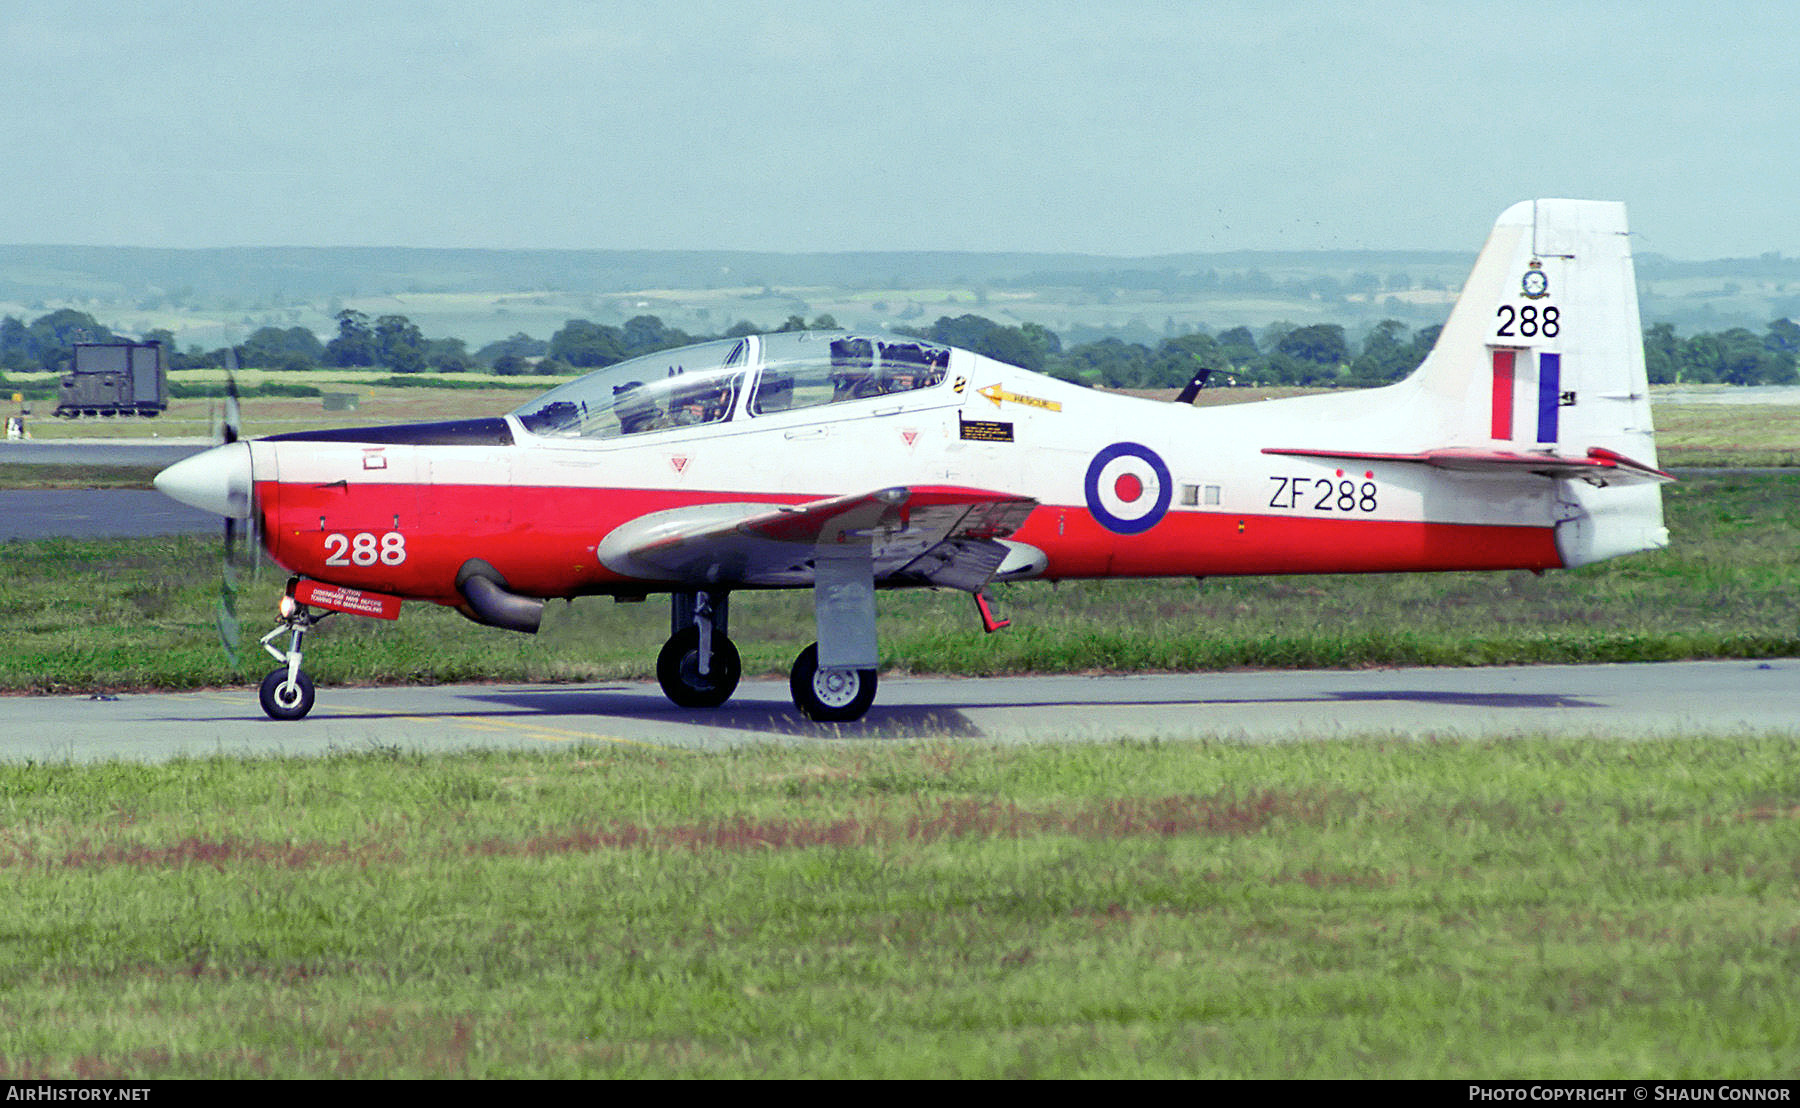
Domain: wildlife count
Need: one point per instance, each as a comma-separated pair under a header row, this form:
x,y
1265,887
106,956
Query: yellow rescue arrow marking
x,y
998,394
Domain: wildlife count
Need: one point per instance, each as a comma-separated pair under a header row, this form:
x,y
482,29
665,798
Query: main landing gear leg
x,y
287,692
833,680
698,667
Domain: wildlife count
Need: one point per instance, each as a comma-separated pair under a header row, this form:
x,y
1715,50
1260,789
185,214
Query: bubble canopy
x,y
744,378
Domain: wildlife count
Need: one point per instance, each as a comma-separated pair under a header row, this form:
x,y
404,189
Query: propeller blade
x,y
233,416
230,634
255,545
230,430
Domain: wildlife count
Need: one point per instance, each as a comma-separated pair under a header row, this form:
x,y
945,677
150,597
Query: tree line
x,y
1319,354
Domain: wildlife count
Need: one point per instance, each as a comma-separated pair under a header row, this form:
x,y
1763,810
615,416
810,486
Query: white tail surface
x,y
1543,357
1544,351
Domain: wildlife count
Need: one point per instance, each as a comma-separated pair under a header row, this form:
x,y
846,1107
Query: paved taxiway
x,y
1603,701
98,513
32,514
100,452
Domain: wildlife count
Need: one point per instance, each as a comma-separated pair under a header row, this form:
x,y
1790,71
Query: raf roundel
x,y
1128,488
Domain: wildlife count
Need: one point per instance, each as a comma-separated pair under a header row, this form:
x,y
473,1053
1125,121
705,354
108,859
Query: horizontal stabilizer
x,y
1600,466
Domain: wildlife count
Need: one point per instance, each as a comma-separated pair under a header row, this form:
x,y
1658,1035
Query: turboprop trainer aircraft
x,y
849,462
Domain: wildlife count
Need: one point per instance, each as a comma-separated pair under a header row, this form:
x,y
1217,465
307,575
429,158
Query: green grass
x,y
1367,908
1728,434
106,616
76,476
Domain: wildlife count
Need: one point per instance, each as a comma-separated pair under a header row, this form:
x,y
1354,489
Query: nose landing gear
x,y
287,692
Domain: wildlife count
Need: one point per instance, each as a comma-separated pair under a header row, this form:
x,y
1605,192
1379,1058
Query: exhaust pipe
x,y
488,601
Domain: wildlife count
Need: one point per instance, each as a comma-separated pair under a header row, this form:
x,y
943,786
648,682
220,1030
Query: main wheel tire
x,y
284,701
830,695
678,670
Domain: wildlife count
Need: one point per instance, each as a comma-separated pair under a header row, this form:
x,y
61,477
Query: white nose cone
x,y
217,481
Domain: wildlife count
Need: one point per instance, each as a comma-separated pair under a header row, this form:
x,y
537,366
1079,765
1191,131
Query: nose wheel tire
x,y
678,670
285,701
830,695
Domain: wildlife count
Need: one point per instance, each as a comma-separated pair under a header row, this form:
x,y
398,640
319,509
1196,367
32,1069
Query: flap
x,y
761,544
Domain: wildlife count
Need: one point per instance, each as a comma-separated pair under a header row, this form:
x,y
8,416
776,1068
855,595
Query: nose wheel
x,y
830,695
284,697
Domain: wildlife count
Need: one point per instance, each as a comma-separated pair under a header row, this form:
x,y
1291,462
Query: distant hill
x,y
209,297
33,273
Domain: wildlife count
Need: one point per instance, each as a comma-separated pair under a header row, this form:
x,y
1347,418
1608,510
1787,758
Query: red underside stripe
x,y
543,539
1210,544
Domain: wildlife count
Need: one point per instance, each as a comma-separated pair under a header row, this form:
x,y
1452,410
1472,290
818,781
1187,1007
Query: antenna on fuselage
x,y
1194,386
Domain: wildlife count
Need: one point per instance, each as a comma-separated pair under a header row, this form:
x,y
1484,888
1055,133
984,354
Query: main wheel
x,y
830,695
678,670
282,700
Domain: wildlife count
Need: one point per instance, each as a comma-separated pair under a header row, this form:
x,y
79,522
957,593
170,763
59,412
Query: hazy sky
x,y
1101,126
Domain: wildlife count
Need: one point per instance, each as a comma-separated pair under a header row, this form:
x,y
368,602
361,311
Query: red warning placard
x,y
340,599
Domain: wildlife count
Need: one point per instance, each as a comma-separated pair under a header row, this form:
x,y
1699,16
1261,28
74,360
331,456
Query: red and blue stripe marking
x,y
1549,394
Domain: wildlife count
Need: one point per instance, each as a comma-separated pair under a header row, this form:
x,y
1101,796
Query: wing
x,y
933,534
1599,467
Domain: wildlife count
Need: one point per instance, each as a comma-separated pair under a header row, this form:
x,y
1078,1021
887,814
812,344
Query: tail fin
x,y
1539,370
1544,351
1543,356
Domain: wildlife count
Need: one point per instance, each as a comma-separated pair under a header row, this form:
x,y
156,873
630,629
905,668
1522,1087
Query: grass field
x,y
107,616
1372,908
57,476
